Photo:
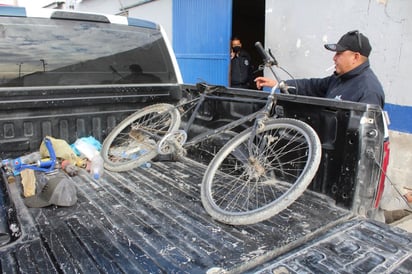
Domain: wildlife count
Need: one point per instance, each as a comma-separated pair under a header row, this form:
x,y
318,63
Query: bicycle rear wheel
x,y
134,141
242,188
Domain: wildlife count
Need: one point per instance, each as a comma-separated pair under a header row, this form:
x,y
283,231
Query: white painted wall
x,y
108,7
296,31
159,11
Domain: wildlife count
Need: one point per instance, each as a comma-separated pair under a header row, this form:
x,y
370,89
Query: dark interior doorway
x,y
248,23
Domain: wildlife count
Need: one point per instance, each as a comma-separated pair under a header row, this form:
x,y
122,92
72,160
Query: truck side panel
x,y
69,113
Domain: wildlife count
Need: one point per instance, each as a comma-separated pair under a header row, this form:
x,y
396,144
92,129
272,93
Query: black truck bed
x,y
356,246
152,220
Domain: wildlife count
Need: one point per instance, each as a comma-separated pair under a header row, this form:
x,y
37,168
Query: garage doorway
x,y
248,23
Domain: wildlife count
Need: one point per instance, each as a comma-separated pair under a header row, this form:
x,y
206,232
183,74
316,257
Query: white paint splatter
x,y
298,43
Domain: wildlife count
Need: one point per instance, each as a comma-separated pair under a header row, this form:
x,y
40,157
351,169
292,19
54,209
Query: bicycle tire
x,y
239,190
126,147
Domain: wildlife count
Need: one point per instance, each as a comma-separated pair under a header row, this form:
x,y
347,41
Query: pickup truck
x,y
70,75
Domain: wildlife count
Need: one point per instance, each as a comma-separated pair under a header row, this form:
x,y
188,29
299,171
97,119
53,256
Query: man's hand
x,y
232,54
408,196
265,82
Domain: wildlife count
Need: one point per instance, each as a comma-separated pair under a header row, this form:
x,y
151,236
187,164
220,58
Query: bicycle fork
x,y
254,145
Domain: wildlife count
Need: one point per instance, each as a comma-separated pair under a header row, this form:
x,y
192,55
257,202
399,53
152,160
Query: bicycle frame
x,y
200,100
259,116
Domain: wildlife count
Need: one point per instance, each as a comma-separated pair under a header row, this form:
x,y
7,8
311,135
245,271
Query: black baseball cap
x,y
353,41
59,190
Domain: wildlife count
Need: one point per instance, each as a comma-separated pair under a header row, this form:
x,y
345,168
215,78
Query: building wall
x,y
159,11
297,30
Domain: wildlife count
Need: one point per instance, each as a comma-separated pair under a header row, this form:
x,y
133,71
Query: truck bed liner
x,y
357,246
152,220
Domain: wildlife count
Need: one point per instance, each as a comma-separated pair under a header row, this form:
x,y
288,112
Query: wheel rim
x,y
273,174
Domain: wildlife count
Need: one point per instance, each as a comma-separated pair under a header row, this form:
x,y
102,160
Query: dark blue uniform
x,y
241,70
357,85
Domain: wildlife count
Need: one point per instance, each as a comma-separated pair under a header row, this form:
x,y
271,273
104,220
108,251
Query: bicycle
x,y
255,175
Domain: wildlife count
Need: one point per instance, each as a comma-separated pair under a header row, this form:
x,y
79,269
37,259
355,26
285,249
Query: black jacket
x,y
357,85
241,70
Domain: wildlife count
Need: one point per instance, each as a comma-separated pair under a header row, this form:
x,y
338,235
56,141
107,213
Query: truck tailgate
x,y
152,220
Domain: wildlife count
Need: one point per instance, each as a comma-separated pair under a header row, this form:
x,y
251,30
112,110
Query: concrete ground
x,y
400,161
400,173
404,223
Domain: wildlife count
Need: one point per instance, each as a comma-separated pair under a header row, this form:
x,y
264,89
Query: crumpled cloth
x,y
62,150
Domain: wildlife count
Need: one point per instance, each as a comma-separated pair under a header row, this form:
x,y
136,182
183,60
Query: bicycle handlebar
x,y
270,62
266,58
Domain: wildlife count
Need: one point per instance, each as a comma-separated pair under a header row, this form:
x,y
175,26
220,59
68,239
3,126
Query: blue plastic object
x,y
90,140
17,165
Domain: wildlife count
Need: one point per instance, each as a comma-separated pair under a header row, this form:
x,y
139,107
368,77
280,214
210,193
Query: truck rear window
x,y
53,52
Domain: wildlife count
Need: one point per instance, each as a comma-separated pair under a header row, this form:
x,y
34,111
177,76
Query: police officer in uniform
x,y
241,67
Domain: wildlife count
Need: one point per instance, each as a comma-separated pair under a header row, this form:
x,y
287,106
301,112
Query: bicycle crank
x,y
172,142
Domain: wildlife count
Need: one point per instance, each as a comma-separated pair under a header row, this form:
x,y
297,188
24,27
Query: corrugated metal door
x,y
201,39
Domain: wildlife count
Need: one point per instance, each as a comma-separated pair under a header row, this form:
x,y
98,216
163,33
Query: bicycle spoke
x,y
251,179
134,141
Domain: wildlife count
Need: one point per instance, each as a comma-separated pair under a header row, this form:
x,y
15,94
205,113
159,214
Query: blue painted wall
x,y
201,39
400,117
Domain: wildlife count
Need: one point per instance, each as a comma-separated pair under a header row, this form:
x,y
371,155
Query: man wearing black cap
x,y
353,79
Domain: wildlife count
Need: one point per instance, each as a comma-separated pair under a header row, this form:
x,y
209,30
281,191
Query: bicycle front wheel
x,y
248,182
134,141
